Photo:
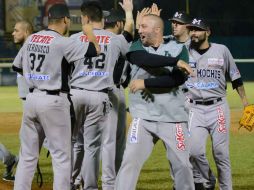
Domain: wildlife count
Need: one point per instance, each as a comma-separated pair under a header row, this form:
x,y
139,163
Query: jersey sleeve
x,y
73,49
231,69
18,59
124,45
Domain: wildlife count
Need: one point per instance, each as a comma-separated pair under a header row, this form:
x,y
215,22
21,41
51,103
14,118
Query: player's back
x,y
44,55
97,73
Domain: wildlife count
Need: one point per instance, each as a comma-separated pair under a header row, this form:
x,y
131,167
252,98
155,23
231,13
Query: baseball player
x,y
90,83
43,61
180,32
114,132
10,161
22,30
152,118
209,110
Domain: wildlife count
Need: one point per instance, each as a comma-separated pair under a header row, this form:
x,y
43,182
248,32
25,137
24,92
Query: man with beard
x,y
209,110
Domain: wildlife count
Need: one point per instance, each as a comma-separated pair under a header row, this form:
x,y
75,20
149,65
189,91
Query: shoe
x,y
210,188
8,174
199,186
8,177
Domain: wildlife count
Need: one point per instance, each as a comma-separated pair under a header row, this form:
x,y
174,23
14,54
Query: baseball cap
x,y
58,11
199,23
182,17
114,16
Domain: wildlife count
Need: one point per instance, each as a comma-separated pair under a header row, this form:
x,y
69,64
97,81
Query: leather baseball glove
x,y
247,119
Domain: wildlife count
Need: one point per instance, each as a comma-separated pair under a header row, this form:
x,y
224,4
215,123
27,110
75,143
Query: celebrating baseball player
x,y
91,81
211,63
43,61
152,118
114,131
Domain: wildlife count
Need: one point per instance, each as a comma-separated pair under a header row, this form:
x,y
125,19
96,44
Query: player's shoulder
x,y
76,35
219,47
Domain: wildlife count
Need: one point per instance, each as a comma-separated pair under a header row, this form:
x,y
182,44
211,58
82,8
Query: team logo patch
x,y
215,61
180,144
134,130
221,121
234,72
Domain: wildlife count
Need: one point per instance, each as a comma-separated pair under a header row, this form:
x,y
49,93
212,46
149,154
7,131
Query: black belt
x,y
48,92
105,90
206,103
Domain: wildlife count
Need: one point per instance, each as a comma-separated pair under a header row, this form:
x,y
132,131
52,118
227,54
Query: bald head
x,y
151,30
155,21
21,31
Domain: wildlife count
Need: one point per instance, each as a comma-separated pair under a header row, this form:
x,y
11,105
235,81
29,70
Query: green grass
x,y
155,173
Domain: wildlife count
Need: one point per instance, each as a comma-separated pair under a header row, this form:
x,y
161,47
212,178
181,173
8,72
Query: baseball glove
x,y
247,119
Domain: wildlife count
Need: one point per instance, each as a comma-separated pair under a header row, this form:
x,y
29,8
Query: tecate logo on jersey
x,y
180,145
30,76
41,39
102,40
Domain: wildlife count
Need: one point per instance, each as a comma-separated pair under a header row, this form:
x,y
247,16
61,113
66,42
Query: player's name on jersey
x,y
101,39
41,39
38,48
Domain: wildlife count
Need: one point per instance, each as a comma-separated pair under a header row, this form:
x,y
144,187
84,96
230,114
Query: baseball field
x,y
155,174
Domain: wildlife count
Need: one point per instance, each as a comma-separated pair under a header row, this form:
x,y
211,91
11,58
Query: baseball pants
x,y
141,138
45,116
91,108
213,120
6,157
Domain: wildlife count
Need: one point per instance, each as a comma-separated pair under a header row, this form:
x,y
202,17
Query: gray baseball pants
x,y
91,108
45,116
141,138
6,157
213,120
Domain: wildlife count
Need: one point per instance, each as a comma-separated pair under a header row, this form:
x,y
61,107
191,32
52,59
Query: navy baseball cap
x,y
200,24
114,16
182,17
58,11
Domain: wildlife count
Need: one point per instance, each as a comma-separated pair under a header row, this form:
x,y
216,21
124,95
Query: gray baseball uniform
x,y
211,179
154,119
43,58
91,78
209,110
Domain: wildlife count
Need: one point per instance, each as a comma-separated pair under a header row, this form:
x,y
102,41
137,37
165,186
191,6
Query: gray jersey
x,y
166,105
41,58
97,73
210,70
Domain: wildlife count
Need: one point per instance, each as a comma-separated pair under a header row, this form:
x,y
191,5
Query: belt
x,y
206,103
48,92
105,90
